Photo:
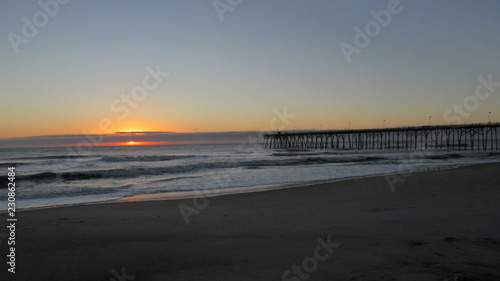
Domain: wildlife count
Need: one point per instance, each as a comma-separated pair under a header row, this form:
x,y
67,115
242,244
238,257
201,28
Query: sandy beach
x,y
437,225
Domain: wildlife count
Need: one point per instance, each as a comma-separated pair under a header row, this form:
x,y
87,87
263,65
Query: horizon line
x,y
137,132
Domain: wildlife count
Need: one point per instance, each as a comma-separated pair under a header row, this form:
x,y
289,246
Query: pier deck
x,y
461,137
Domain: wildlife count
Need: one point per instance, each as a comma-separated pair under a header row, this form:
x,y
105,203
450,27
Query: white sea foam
x,y
49,177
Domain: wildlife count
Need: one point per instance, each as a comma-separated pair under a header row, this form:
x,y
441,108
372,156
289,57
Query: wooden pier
x,y
459,137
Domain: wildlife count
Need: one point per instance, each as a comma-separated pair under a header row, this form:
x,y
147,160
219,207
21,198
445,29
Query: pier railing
x,y
461,137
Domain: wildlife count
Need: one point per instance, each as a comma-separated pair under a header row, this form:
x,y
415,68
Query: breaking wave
x,y
175,169
144,158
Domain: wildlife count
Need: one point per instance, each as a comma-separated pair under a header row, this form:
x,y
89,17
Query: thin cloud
x,y
123,137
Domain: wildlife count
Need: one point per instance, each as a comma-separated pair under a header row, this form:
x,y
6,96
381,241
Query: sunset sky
x,y
82,70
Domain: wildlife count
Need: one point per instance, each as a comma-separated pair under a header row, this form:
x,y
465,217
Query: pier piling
x,y
462,137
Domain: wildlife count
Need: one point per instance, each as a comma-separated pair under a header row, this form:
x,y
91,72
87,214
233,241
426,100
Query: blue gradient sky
x,y
229,75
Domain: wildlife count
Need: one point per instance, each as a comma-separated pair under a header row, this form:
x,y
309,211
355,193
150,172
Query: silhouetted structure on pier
x,y
461,137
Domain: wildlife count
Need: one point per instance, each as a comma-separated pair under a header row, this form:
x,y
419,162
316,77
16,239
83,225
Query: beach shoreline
x,y
178,195
436,225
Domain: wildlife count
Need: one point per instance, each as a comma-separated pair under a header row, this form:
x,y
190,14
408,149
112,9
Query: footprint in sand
x,y
416,243
450,239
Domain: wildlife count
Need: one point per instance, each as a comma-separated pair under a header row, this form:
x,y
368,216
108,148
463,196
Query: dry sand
x,y
436,226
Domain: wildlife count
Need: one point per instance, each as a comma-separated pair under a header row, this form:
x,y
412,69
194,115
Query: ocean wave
x,y
144,158
305,159
294,153
79,191
50,157
175,178
176,169
42,176
10,164
106,158
444,156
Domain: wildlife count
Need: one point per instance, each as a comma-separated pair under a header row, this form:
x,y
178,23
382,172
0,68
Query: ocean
x,y
49,177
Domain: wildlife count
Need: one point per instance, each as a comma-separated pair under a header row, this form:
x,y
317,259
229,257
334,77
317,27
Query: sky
x,y
100,67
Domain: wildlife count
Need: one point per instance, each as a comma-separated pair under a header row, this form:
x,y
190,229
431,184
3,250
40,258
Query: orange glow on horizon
x,y
133,143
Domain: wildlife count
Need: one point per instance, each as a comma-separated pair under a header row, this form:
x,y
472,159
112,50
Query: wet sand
x,y
435,226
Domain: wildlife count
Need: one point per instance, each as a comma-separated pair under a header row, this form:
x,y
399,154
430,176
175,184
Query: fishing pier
x,y
459,137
